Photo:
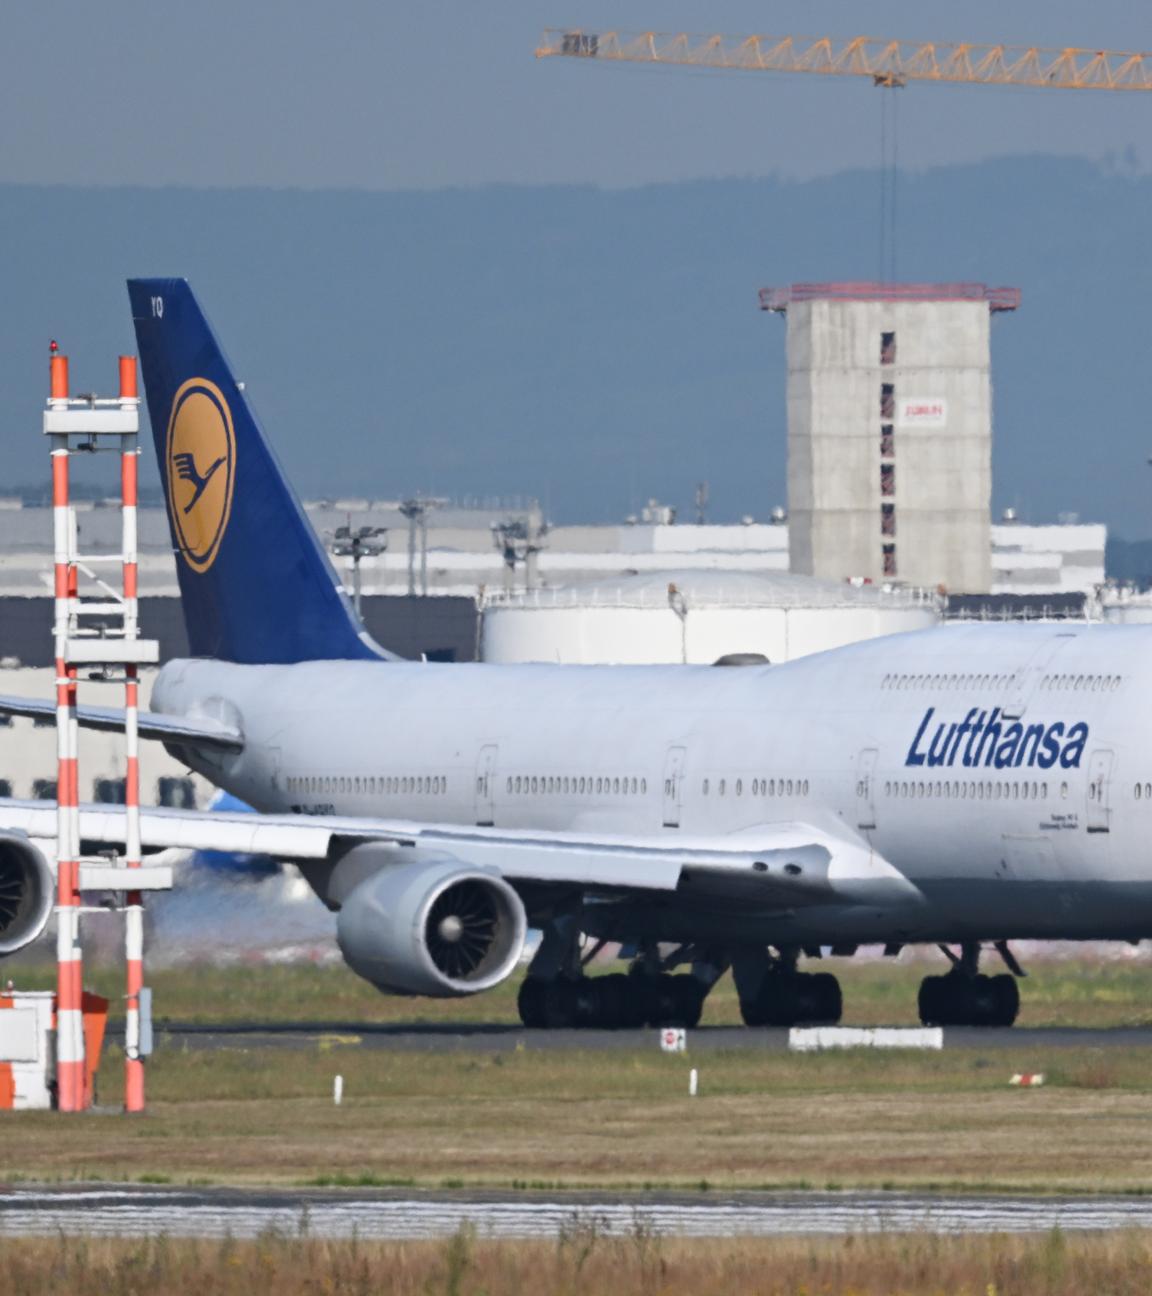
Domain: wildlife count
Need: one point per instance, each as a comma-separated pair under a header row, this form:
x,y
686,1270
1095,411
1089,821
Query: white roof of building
x,y
711,588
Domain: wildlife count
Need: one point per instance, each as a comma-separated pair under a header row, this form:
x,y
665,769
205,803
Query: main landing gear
x,y
773,993
967,997
618,1001
556,994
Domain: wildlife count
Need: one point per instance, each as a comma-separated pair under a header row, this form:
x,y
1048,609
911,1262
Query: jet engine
x,y
26,892
434,927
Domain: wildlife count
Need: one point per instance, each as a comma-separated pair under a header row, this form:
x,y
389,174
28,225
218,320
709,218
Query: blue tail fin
x,y
255,581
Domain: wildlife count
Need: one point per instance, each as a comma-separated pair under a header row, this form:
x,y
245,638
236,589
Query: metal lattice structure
x,y
886,62
96,634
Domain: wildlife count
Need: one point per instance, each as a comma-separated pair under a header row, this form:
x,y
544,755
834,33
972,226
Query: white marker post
x,y
338,1090
692,1078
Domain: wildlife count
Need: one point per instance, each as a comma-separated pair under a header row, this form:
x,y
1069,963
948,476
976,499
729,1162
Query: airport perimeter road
x,y
444,1038
404,1214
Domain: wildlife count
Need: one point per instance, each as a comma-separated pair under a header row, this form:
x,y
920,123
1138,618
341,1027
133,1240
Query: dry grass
x,y
1053,1264
1083,991
620,1117
570,1119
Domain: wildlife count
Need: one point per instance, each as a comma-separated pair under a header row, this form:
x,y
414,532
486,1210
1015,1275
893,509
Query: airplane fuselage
x,y
1005,770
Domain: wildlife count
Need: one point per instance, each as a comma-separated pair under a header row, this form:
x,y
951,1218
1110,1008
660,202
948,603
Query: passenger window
x,y
739,787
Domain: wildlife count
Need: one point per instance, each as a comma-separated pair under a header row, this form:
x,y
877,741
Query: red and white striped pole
x,y
134,911
71,1084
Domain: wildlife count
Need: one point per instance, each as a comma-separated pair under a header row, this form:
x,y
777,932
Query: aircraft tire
x,y
613,1003
621,1005
586,1003
829,1000
954,1000
690,996
933,1002
663,1001
1007,994
795,998
559,1010
530,1003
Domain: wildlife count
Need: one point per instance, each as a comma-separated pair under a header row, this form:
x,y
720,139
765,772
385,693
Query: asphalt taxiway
x,y
502,1038
107,1210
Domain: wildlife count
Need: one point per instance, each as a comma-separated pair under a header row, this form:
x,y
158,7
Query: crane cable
x,y
889,180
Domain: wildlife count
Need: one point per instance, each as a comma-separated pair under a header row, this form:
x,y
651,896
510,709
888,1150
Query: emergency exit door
x,y
865,788
673,779
1099,782
486,787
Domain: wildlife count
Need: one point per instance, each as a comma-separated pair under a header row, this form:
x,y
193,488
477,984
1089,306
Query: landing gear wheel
x,y
613,1002
690,996
829,1001
559,1005
1007,993
795,998
958,1000
530,1002
932,1001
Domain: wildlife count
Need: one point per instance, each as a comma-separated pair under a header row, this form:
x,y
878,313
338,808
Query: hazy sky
x,y
447,92
480,303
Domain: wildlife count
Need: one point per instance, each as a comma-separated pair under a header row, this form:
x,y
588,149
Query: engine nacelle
x,y
432,927
26,892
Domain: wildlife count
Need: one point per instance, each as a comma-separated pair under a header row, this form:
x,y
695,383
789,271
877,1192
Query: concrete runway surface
x,y
502,1038
406,1213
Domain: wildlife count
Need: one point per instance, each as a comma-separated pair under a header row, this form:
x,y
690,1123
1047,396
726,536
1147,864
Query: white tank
x,y
1126,606
694,616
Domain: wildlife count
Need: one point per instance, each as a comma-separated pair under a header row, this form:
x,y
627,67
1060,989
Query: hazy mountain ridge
x,y
595,347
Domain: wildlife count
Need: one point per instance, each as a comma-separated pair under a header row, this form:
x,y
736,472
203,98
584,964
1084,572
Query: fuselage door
x,y
1099,780
865,789
486,786
673,778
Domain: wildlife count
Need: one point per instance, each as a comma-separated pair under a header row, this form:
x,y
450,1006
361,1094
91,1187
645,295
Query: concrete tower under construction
x,y
890,430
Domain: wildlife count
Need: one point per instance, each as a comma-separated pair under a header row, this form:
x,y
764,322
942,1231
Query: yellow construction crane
x,y
886,62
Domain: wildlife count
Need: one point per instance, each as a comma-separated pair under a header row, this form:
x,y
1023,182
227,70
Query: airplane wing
x,y
200,731
787,864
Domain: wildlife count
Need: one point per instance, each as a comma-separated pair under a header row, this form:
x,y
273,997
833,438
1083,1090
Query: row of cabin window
x,y
759,787
949,681
391,785
989,790
1094,683
1144,790
568,785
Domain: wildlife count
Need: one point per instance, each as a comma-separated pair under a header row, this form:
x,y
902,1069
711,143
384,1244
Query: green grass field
x,y
1084,991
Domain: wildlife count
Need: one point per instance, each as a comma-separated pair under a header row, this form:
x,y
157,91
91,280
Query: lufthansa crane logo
x,y
201,470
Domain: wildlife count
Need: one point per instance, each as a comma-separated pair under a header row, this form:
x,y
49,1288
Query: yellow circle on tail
x,y
201,470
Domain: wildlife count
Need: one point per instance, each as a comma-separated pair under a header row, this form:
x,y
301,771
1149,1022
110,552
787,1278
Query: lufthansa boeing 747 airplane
x,y
961,787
